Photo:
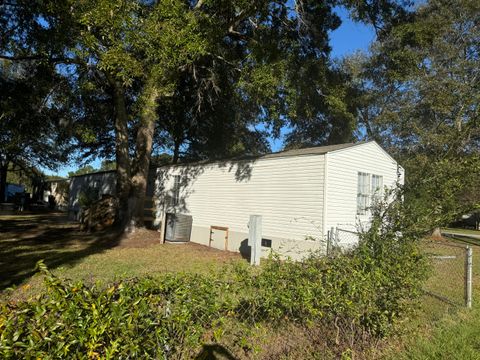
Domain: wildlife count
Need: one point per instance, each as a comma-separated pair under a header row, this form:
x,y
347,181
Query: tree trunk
x,y
437,233
144,143
3,181
176,152
123,171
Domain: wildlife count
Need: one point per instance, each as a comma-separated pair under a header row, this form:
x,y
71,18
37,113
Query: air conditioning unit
x,y
178,227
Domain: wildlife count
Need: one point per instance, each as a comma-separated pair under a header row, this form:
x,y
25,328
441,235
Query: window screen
x,y
377,187
176,190
363,193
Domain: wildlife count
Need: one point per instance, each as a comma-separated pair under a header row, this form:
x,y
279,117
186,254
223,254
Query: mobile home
x,y
300,194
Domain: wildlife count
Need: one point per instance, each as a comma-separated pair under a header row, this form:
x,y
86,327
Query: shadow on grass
x,y
214,351
27,238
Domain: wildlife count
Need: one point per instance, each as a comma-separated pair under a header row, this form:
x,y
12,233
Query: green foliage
x,y
370,288
218,69
87,169
418,95
443,188
367,291
390,249
88,196
107,165
33,119
135,318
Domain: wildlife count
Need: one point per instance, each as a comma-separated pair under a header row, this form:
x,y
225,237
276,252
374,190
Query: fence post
x,y
255,238
468,277
328,242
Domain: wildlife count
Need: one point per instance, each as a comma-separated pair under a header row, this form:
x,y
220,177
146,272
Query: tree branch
x,y
64,60
198,5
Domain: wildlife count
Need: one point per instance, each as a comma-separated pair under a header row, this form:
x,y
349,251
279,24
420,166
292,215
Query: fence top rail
x,y
348,231
463,238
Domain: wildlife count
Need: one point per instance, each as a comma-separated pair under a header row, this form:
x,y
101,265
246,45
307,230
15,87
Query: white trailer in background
x,y
300,194
101,183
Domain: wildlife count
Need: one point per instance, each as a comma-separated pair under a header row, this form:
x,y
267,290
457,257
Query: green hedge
x,y
174,315
368,290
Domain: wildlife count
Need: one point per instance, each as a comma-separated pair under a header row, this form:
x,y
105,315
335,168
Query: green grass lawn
x,y
439,330
456,336
97,257
442,330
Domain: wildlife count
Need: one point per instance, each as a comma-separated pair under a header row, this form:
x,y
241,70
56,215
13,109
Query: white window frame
x,y
363,192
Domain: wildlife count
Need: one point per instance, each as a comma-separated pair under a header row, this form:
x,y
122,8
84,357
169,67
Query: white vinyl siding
x,y
287,192
299,197
343,168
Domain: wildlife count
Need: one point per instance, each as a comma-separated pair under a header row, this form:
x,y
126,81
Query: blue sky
x,y
350,36
347,39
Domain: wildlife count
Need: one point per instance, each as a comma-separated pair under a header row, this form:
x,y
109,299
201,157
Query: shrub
x,y
87,196
134,318
370,288
365,291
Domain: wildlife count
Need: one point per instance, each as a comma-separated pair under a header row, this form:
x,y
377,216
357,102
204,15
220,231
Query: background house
x,y
59,189
92,186
11,190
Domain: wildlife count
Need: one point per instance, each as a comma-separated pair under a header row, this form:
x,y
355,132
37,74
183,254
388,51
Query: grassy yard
x,y
97,257
442,330
439,330
447,278
454,337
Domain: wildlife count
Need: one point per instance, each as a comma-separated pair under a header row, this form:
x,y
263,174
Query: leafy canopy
x,y
418,96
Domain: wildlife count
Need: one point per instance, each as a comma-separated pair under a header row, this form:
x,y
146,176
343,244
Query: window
x,y
377,188
363,193
370,188
176,190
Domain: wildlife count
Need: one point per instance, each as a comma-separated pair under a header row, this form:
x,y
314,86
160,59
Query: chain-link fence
x,y
450,280
341,239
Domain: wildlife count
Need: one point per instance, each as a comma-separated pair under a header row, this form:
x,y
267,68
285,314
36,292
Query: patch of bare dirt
x,y
140,238
321,341
203,250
